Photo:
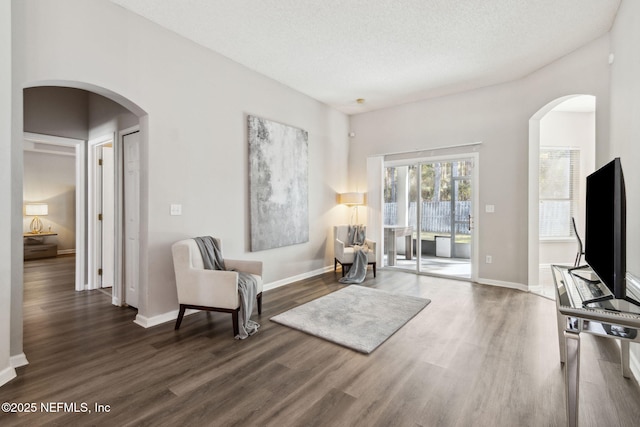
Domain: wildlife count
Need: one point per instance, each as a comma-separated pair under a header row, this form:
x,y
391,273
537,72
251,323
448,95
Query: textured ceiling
x,y
388,52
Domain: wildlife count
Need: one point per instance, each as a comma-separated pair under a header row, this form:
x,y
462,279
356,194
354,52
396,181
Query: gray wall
x,y
499,117
56,111
194,138
625,128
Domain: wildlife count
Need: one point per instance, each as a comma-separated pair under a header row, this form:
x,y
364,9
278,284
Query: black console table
x,y
616,319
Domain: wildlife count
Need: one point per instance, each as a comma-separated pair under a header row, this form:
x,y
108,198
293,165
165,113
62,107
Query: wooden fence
x,y
435,216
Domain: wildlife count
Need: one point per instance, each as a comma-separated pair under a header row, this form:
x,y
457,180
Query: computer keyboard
x,y
588,290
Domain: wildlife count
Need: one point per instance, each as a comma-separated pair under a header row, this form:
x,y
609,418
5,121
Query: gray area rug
x,y
356,317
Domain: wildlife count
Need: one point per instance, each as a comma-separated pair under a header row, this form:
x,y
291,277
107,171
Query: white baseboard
x,y
18,360
149,322
7,374
170,316
518,286
288,280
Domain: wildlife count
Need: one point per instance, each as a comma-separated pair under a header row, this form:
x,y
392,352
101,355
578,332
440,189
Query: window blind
x,y
559,187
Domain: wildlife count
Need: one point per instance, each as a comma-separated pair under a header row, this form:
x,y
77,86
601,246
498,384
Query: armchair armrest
x,y
371,244
209,288
252,267
338,249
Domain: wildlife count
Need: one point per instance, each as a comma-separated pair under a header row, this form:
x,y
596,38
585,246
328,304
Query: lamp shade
x,y
351,199
36,209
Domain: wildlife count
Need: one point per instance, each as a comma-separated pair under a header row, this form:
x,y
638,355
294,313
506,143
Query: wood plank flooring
x,y
476,356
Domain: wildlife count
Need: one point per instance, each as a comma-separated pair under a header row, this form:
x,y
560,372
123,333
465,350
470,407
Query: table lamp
x,y
36,210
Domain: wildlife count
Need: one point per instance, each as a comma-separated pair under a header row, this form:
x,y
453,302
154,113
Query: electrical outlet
x,y
488,259
489,208
176,209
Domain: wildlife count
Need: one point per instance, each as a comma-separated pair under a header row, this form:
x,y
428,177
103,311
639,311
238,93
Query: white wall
x,y
7,372
499,117
194,137
625,127
574,130
51,179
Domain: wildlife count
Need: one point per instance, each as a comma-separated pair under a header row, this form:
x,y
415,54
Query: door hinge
x,y
99,217
99,272
99,162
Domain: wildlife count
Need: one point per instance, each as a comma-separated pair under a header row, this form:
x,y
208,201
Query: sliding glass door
x,y
428,216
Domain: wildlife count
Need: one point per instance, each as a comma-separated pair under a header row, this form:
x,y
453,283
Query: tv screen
x,y
605,230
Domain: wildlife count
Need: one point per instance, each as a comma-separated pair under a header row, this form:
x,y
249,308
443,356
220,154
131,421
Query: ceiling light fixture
x,y
360,100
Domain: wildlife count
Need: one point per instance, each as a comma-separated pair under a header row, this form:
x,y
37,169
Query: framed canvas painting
x,y
278,184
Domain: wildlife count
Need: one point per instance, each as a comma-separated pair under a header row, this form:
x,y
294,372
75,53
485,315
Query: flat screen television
x,y
606,229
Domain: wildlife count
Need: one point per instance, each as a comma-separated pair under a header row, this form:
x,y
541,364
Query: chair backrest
x,y
341,232
186,255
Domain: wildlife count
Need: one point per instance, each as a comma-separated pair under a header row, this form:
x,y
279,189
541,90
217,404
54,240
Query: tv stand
x,y
600,315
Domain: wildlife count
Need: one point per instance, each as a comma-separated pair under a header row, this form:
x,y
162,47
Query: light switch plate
x,y
490,208
176,209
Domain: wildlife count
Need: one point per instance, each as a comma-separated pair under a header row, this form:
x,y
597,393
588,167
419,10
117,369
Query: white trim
x,y
6,375
288,280
170,316
500,283
423,150
118,277
18,360
534,187
475,194
80,149
93,208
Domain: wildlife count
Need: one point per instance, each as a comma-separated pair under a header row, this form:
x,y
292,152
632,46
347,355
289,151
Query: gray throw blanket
x,y
247,285
357,234
358,270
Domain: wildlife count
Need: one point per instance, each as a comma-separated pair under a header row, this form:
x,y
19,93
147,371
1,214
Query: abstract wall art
x,y
278,184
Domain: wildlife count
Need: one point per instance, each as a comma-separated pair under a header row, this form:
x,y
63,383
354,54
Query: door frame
x,y
79,146
475,200
119,282
94,239
533,232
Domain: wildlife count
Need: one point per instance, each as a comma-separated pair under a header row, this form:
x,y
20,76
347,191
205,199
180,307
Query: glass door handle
x,y
470,223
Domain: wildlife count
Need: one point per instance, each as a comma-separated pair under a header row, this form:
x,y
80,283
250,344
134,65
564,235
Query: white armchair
x,y
212,290
343,253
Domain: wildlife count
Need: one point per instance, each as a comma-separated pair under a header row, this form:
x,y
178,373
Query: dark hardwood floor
x,y
476,356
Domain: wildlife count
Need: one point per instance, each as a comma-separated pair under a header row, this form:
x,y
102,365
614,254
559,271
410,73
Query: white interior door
x,y
108,218
131,152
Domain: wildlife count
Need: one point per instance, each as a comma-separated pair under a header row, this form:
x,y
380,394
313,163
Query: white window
x,y
559,187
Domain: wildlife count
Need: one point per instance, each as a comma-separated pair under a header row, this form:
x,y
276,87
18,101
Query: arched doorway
x,y
561,155
87,113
